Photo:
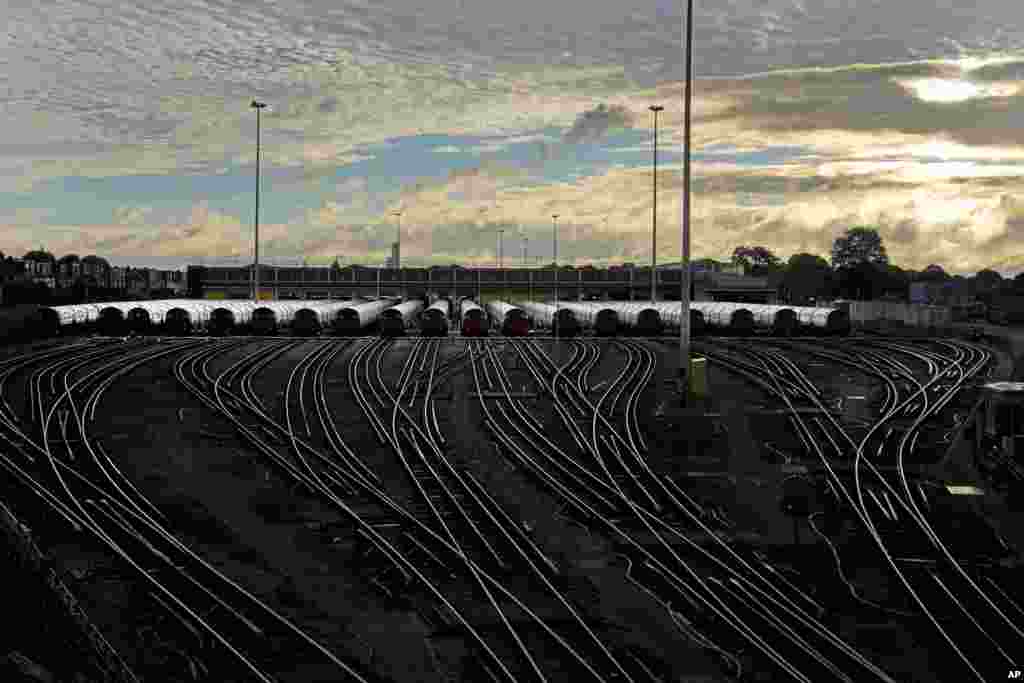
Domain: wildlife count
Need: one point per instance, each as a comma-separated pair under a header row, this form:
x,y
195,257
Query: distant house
x,y
68,270
167,282
117,277
95,271
148,282
40,267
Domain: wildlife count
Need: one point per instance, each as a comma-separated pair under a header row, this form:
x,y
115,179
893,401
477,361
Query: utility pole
x,y
654,210
256,233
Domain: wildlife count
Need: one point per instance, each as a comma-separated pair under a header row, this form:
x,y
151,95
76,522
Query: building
x,y
623,283
40,267
95,271
69,269
150,282
117,278
946,293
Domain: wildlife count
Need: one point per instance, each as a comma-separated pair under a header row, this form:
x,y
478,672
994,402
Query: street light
x,y
654,210
684,318
501,263
554,232
256,233
606,235
398,240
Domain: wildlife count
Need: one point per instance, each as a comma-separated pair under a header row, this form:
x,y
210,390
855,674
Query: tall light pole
x,y
501,263
256,233
554,233
684,318
606,234
529,275
398,239
483,212
654,210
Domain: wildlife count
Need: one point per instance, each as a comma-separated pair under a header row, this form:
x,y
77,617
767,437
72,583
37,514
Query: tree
x,y
863,281
1018,282
987,280
753,258
896,281
39,254
860,244
808,276
706,264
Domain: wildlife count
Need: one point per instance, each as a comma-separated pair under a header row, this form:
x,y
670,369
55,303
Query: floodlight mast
x,y
256,232
554,233
684,318
654,209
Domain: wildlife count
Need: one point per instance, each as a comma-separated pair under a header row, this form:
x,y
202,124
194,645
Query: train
x,y
600,319
351,318
395,319
434,319
512,320
473,319
562,322
359,318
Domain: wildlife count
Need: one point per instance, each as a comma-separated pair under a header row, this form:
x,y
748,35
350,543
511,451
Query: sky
x,y
128,131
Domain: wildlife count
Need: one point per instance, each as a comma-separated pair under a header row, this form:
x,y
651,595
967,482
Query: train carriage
x,y
513,320
395,320
359,318
434,320
560,321
473,319
602,320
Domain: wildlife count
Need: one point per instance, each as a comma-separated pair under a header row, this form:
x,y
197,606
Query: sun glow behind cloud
x,y
956,89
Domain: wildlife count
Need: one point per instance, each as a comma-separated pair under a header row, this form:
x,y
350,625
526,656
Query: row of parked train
x,y
393,317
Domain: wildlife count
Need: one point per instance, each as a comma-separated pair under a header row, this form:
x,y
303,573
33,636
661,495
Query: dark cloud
x,y
591,126
866,99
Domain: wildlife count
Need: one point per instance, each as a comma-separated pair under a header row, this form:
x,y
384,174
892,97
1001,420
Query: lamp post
x,y
684,318
256,232
606,234
483,212
654,209
501,263
554,233
398,239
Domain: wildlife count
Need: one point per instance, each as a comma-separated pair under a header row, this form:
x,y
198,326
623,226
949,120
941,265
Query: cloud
x,y
964,225
870,99
999,71
593,125
131,215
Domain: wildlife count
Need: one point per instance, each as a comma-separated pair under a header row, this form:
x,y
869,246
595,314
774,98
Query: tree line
x,y
859,270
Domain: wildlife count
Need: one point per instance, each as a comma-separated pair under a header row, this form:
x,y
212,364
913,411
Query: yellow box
x,y
266,295
214,296
699,376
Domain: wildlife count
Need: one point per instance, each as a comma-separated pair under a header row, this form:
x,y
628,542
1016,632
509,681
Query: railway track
x,y
433,538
